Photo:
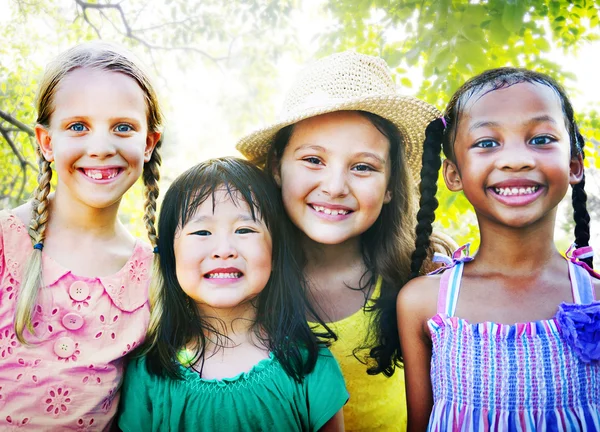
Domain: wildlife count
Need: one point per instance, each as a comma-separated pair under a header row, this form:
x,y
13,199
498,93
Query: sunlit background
x,y
223,68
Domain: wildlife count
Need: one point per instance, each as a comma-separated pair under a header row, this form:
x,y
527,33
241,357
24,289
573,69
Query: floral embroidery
x,y
93,375
580,326
8,342
29,373
57,400
137,271
108,400
130,347
10,289
106,324
15,424
45,323
14,224
85,424
79,304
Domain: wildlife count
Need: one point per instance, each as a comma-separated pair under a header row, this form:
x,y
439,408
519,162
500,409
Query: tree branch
x,y
22,161
13,121
130,33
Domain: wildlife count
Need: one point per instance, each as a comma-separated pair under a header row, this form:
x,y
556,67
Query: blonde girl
x,y
73,280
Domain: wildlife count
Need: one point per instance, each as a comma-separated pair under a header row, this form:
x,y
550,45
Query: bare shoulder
x,y
419,296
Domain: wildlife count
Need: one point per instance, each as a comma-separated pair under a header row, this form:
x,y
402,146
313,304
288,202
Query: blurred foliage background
x,y
224,66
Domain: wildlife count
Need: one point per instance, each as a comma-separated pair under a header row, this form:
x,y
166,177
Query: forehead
x,y
88,91
223,203
342,127
515,102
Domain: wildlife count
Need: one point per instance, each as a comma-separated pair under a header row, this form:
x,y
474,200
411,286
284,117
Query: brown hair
x,y
93,55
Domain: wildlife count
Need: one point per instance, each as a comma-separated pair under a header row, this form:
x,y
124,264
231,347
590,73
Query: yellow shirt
x,y
377,403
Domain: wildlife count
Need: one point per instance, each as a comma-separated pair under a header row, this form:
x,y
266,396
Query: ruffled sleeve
x,y
325,390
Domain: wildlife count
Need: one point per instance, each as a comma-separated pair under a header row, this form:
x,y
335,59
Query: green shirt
x,y
262,399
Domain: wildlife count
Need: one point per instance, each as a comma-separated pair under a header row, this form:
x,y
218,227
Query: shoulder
x,y
419,296
23,213
326,364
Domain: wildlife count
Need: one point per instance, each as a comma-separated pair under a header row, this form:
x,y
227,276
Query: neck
x,y
235,323
82,220
332,258
518,251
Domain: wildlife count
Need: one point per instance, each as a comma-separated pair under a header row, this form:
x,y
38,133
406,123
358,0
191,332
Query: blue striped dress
x,y
521,377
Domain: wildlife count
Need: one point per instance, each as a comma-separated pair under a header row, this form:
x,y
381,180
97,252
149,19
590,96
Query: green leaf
x,y
513,15
406,82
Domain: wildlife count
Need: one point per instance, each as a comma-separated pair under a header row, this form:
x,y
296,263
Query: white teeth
x,y
328,211
516,191
224,275
97,174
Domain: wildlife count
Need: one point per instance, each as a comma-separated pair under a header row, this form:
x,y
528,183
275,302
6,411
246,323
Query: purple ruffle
x,y
580,326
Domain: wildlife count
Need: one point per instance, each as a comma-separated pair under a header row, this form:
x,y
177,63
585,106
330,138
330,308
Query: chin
x,y
328,238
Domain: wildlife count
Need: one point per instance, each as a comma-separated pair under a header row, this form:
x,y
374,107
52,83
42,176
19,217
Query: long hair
x,y
385,247
99,56
440,134
281,306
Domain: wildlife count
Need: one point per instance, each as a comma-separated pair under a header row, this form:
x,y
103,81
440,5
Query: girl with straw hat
x,y
346,153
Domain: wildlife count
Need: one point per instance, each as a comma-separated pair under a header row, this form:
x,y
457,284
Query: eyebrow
x,y
242,217
493,124
312,147
372,156
361,154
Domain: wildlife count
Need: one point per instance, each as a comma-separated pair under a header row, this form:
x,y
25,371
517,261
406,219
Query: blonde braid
x,y
32,278
151,176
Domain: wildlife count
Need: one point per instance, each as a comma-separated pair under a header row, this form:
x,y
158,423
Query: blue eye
x,y
201,233
312,160
486,144
541,140
77,127
123,128
244,231
362,168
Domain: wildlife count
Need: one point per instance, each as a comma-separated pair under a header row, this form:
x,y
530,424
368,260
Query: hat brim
x,y
409,114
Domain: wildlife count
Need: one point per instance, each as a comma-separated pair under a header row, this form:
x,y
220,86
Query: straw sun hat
x,y
347,81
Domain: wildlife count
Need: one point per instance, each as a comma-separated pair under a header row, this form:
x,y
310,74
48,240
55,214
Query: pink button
x,y
64,347
79,291
72,321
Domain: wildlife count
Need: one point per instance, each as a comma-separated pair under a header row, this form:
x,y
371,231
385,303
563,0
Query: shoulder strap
x,y
581,284
449,288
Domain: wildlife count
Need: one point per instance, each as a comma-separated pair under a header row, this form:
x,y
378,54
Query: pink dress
x,y
69,377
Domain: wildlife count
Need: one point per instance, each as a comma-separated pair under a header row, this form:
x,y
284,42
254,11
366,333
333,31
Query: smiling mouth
x,y
234,275
328,211
101,174
516,191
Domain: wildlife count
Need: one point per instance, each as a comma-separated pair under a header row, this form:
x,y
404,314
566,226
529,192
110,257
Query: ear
x,y
44,140
576,169
452,176
387,197
277,174
151,141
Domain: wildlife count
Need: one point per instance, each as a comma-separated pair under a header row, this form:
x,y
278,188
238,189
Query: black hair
x,y
282,306
442,133
385,247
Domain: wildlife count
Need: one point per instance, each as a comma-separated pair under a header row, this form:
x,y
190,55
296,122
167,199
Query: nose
x,y
335,182
224,248
101,145
515,158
